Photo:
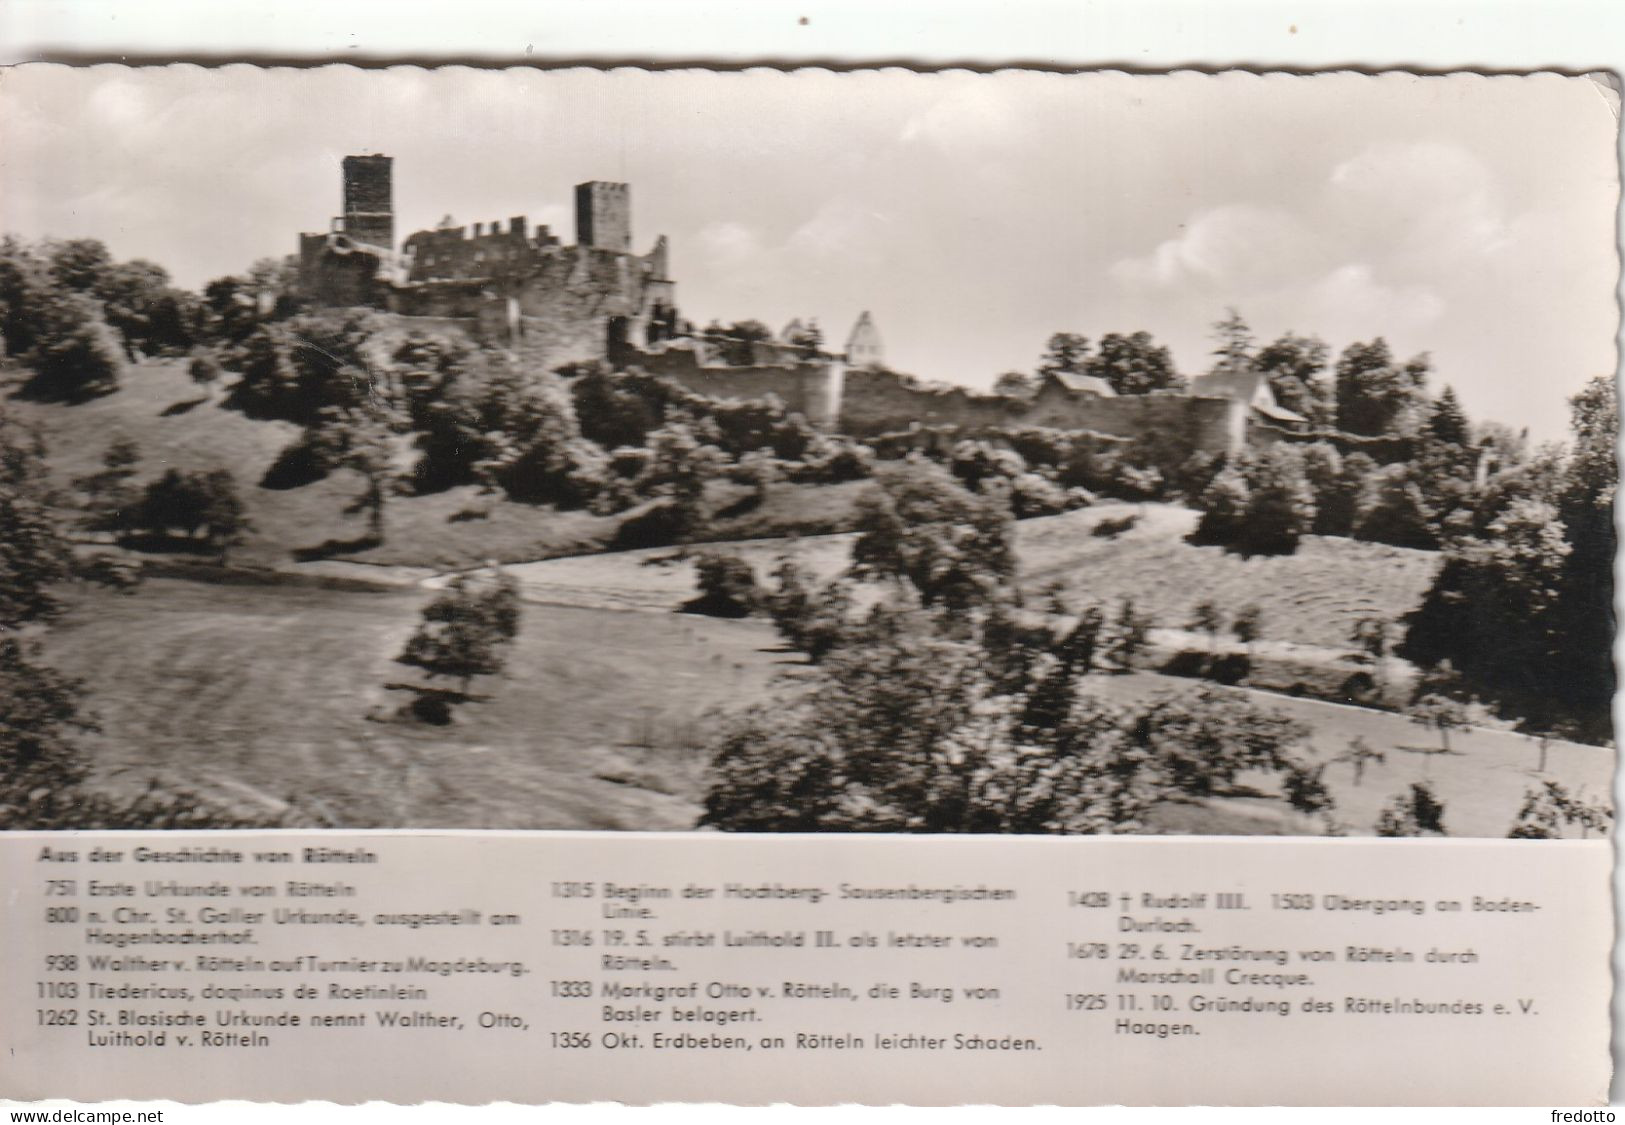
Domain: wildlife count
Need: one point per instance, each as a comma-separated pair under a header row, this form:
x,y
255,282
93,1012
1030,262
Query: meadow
x,y
269,684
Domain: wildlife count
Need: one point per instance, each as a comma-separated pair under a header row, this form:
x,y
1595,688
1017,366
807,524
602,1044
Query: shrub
x,y
76,354
1034,495
205,370
727,587
1305,789
1548,808
465,629
918,528
1224,505
1414,813
1280,507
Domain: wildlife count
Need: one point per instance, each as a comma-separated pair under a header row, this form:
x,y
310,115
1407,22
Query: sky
x,y
973,215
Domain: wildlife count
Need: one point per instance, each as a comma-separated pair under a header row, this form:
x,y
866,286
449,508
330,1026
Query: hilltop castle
x,y
511,284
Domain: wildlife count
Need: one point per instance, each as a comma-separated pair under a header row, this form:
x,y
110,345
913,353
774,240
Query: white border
x,y
1577,36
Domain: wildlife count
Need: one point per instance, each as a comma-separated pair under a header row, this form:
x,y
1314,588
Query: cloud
x,y
1238,245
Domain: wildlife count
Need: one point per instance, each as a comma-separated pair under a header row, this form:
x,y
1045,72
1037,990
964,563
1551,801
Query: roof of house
x,y
1275,410
1245,386
1084,384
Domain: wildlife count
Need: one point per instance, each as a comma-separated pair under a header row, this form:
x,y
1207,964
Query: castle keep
x,y
507,283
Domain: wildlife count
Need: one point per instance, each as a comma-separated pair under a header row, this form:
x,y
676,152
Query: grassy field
x,y
1312,598
258,693
255,695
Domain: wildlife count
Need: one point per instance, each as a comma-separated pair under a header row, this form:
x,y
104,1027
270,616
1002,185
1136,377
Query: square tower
x,y
369,200
604,216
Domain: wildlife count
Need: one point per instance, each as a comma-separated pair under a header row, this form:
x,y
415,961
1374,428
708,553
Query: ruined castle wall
x,y
804,390
878,402
567,304
346,278
491,252
457,300
1215,425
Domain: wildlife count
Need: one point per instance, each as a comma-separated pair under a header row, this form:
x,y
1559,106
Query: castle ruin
x,y
507,283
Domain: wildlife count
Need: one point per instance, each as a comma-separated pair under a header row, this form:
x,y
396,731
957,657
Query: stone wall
x,y
809,389
492,251
878,402
1214,425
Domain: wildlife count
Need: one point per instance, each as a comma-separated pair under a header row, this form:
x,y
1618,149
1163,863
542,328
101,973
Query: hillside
x,y
177,426
1312,598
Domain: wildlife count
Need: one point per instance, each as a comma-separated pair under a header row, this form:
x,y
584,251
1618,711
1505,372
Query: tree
x,y
1015,384
1522,603
727,587
1135,364
76,356
1438,713
465,630
39,713
1280,504
1234,340
205,371
1248,625
25,289
680,464
1582,623
230,309
1078,646
808,340
131,293
1548,808
1338,491
78,264
1359,755
1305,788
1295,366
735,342
789,603
174,501
1396,512
1203,740
902,733
918,528
1376,396
34,555
1447,421
225,520
758,469
1224,503
1414,813
1129,636
362,440
1207,618
112,501
1065,353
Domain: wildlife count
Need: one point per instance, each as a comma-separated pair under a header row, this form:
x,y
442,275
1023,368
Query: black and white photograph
x,y
794,451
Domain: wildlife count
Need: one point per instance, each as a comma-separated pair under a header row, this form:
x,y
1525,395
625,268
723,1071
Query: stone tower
x,y
604,216
863,347
369,200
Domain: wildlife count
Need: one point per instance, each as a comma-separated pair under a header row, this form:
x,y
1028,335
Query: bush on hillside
x,y
727,587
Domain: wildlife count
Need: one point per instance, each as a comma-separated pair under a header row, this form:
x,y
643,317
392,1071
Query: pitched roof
x,y
1278,412
1084,384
